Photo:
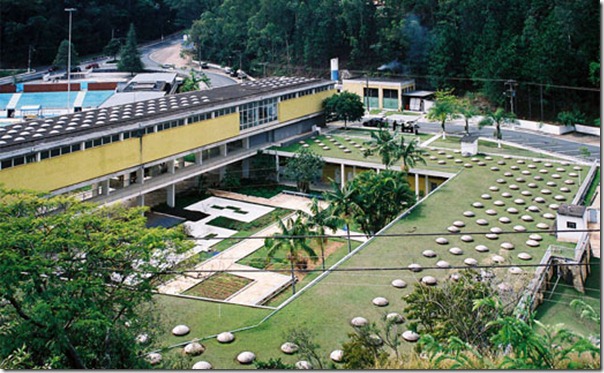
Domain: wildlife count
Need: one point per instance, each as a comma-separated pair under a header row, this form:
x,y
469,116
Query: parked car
x,y
168,66
375,122
204,65
93,65
76,69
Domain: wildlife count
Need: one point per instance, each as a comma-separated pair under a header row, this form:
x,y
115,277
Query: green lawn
x,y
327,308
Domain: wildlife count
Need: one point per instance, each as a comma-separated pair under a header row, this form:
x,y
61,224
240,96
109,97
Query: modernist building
x,y
132,149
379,93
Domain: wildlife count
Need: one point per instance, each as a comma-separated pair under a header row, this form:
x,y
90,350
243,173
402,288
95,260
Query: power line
x,y
386,235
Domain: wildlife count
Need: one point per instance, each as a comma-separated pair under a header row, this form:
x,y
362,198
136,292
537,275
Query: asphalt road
x,y
557,144
217,80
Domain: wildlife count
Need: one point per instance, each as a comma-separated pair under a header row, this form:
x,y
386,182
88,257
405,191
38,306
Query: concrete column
x,y
105,187
245,168
140,200
342,175
427,185
417,185
221,173
277,166
140,176
171,195
171,167
181,163
95,189
198,158
126,180
223,150
246,143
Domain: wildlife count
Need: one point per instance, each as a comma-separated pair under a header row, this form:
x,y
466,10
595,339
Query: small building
x,y
469,145
380,93
420,101
569,219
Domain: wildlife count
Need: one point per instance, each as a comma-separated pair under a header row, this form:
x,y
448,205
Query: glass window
x,y
571,225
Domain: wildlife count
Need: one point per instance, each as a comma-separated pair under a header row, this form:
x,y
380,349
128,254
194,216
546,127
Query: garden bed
x,y
219,286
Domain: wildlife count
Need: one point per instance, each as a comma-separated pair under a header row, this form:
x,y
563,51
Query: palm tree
x,y
444,108
386,146
342,205
292,239
411,154
467,111
320,220
496,118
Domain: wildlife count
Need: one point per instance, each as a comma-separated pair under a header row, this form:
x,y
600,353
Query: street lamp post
x,y
70,11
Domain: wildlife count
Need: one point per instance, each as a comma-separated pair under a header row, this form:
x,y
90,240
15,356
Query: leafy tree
x,y
76,280
585,310
308,348
129,56
63,52
113,48
570,118
445,108
378,198
497,118
294,241
344,106
364,348
191,82
304,168
319,220
450,310
537,346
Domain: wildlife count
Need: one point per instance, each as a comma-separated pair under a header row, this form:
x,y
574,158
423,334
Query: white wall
x,y
588,130
561,221
543,127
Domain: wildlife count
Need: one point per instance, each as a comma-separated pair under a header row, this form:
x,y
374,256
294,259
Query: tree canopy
x,y
304,168
130,59
344,106
76,280
63,53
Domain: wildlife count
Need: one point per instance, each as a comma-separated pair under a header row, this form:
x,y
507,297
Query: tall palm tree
x,y
467,111
385,145
411,154
497,118
293,239
320,220
342,205
444,108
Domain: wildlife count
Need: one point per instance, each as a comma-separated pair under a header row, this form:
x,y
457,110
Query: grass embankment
x,y
327,308
593,188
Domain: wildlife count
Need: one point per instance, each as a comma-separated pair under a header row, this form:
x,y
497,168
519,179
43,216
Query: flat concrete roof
x,y
153,77
421,94
571,210
380,80
23,136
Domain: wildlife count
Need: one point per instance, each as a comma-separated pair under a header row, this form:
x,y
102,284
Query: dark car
x,y
93,65
76,69
204,65
375,122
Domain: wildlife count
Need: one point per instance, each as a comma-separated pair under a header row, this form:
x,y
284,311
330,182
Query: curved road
x,y
217,80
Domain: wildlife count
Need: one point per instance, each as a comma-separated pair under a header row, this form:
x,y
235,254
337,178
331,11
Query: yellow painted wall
x,y
358,88
301,106
69,169
176,140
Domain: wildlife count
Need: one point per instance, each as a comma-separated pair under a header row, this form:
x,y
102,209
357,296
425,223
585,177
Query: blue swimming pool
x,y
96,98
47,99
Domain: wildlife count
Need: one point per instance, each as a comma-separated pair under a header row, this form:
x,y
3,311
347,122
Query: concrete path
x,y
264,284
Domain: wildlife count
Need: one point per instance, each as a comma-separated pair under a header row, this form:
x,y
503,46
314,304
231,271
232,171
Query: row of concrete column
x,y
103,187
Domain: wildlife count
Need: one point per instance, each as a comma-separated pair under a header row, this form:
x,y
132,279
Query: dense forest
x,y
550,48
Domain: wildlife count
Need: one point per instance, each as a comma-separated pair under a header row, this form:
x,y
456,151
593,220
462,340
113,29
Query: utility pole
x,y
70,11
511,92
29,59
